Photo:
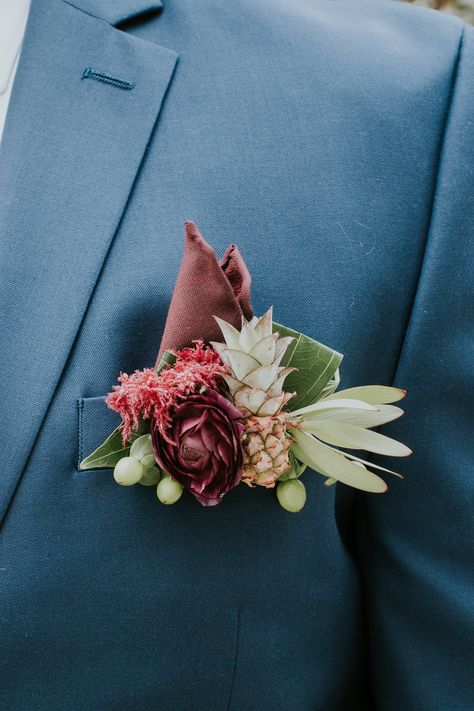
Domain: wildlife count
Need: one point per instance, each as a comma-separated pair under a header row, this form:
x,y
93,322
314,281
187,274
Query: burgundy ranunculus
x,y
205,455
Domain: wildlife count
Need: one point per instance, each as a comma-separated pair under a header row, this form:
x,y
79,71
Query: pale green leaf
x,y
371,464
373,394
316,408
341,434
334,464
374,417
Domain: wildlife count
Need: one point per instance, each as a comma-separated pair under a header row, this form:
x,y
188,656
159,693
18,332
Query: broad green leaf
x,y
373,394
332,385
316,365
108,454
331,463
167,358
342,434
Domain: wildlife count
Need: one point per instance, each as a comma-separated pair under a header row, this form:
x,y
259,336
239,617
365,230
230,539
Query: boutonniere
x,y
239,399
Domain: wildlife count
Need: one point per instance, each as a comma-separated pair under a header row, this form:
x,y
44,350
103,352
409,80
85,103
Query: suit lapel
x,y
70,152
116,11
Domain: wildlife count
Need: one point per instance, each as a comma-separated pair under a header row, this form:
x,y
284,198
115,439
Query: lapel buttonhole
x,y
90,73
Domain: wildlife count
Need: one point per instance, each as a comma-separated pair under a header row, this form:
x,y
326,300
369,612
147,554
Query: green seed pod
x,y
141,447
128,471
291,494
169,490
151,476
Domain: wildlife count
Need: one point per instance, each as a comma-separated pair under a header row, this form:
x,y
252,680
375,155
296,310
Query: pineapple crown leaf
x,y
230,333
255,337
254,356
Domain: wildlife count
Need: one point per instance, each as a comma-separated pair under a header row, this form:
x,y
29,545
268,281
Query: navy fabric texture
x,y
334,143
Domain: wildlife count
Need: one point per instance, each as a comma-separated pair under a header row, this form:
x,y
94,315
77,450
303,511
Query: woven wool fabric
x,y
333,142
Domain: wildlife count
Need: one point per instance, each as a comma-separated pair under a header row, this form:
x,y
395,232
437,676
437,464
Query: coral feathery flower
x,y
146,393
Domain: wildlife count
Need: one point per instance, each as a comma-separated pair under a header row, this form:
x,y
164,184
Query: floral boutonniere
x,y
235,398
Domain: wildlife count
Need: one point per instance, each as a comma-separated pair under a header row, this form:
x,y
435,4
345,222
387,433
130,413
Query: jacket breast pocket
x,y
95,423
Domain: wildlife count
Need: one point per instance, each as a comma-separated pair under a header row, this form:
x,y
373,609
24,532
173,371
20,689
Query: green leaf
x,y
108,454
333,464
167,358
316,366
332,385
316,409
373,394
341,434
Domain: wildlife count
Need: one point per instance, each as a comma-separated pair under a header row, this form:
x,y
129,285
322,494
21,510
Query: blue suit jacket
x,y
334,142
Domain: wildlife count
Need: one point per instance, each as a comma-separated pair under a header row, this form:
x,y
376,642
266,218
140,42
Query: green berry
x,y
141,447
148,461
169,490
151,476
128,471
291,494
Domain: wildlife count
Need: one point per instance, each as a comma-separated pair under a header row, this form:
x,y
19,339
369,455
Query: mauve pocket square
x,y
205,287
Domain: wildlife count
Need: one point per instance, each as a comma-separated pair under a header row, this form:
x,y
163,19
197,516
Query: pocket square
x,y
206,287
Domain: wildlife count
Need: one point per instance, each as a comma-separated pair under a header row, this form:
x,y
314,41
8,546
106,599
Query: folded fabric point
x,y
205,287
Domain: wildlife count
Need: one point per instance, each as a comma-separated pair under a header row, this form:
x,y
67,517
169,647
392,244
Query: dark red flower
x,y
202,449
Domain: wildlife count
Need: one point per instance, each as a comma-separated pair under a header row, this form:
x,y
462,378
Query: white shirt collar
x,y
13,17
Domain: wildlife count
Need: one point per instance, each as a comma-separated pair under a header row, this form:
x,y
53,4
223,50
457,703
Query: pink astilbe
x,y
146,394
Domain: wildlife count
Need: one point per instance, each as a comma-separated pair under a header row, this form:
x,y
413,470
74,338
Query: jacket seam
x,y
439,164
234,668
126,18
80,408
89,14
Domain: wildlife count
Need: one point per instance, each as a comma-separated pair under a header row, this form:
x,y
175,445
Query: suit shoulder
x,y
383,42
367,17
365,30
